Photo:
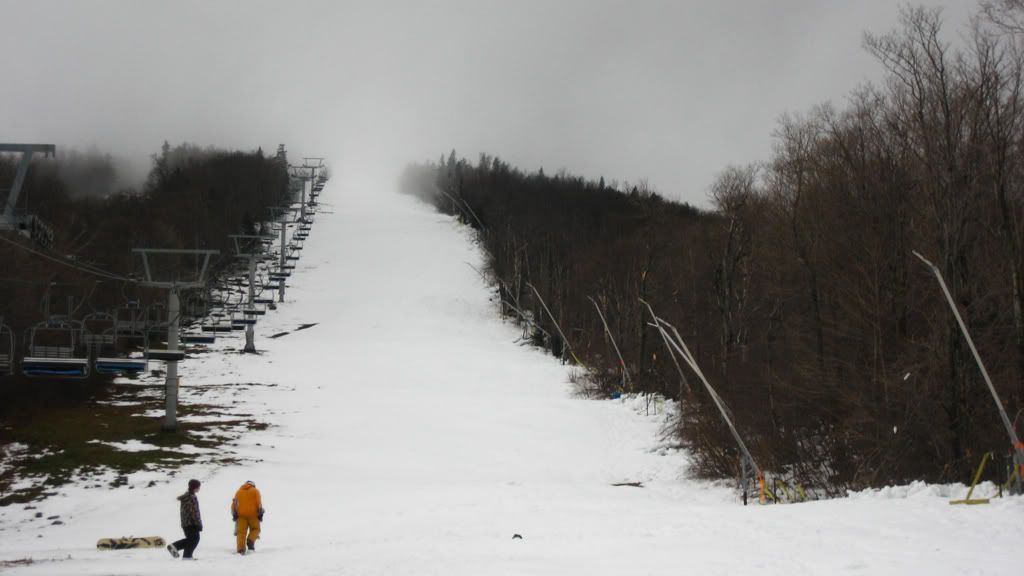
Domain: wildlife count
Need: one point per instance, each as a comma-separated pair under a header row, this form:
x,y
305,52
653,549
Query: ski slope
x,y
411,435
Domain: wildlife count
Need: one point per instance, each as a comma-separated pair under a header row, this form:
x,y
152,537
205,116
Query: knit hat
x,y
193,484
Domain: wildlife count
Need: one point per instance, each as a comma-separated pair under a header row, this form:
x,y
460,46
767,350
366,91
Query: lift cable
x,y
80,267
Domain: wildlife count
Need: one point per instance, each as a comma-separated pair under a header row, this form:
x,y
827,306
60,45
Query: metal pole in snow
x,y
625,371
557,327
683,351
671,353
171,383
1018,449
284,229
250,344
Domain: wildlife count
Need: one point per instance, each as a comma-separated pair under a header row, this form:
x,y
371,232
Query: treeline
x,y
798,294
193,198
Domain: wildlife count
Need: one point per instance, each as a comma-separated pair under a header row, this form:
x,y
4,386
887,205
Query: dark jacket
x,y
190,511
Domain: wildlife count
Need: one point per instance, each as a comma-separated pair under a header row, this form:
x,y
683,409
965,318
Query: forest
x,y
193,198
797,289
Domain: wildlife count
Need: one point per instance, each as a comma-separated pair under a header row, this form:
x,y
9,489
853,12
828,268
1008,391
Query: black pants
x,y
189,542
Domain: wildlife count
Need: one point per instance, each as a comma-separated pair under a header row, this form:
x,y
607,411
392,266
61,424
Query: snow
x,y
129,446
410,435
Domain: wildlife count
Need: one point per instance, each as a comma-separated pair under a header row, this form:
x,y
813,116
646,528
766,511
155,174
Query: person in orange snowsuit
x,y
247,512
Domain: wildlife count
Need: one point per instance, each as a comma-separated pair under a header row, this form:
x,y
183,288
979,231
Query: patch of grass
x,y
71,442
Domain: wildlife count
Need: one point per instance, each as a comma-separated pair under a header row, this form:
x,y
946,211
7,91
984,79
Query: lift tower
x,y
312,164
172,354
250,247
28,224
282,273
303,174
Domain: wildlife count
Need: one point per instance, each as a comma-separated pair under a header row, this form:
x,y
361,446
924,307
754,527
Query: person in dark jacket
x,y
191,522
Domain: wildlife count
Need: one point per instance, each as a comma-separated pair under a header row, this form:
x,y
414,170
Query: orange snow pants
x,y
246,528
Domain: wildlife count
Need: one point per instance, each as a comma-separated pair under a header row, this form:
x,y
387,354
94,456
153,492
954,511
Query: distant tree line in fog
x,y
193,198
798,292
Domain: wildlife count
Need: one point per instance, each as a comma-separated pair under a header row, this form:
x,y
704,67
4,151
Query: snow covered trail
x,y
411,436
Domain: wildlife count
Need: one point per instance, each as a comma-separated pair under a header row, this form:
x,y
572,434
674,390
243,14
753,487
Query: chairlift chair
x,y
100,337
54,351
218,325
156,320
199,333
165,355
239,323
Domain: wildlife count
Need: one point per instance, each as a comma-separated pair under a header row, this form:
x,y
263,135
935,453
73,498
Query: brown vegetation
x,y
798,293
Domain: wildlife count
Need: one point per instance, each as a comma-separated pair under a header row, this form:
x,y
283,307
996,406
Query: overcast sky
x,y
671,91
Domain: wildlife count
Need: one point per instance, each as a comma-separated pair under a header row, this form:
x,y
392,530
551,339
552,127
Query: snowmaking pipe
x,y
684,352
557,327
625,371
671,353
1018,448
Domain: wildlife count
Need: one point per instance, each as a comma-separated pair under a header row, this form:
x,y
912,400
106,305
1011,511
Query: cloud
x,y
671,91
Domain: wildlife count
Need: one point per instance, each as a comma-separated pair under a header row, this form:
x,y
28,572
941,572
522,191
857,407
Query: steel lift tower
x,y
303,174
282,272
312,164
172,354
306,173
27,224
250,247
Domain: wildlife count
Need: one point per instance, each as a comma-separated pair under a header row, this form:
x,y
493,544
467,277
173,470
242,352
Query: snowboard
x,y
130,542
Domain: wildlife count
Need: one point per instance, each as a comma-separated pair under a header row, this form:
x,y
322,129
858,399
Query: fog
x,y
668,91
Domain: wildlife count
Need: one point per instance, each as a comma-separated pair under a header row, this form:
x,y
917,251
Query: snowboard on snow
x,y
130,542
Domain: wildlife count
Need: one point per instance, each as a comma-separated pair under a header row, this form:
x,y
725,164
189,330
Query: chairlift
x,y
197,307
218,325
6,349
54,351
165,355
100,337
129,319
196,332
194,307
156,320
204,336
